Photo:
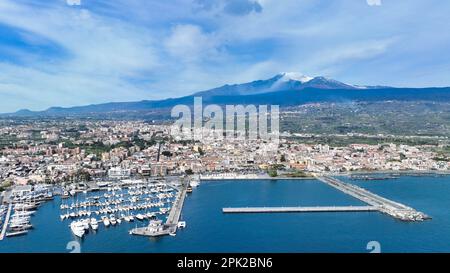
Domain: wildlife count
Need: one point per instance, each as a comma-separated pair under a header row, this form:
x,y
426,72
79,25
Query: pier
x,y
389,207
299,209
5,224
171,224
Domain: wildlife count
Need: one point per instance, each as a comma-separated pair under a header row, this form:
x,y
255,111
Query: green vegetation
x,y
402,118
272,172
298,174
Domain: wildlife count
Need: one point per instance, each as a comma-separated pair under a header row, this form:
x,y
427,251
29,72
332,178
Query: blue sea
x,y
209,230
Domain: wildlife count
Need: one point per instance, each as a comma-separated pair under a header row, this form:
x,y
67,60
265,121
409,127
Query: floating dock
x,y
392,208
300,209
5,224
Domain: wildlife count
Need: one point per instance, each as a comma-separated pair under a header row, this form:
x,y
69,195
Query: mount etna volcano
x,y
284,89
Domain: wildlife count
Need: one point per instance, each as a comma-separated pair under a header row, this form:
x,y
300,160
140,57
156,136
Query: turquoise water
x,y
208,230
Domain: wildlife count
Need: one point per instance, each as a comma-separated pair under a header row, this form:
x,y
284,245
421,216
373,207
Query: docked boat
x,y
94,224
19,227
16,233
112,219
85,223
77,228
25,206
140,217
181,224
65,194
106,221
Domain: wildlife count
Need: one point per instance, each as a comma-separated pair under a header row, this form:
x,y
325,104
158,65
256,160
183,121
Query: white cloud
x,y
102,58
190,43
374,2
73,2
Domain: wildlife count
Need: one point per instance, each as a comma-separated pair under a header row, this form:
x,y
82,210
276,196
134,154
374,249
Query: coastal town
x,y
52,152
140,170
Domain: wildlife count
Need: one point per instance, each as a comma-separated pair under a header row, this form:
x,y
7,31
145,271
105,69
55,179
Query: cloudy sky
x,y
76,52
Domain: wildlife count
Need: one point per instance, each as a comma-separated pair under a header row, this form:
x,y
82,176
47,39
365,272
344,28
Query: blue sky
x,y
77,52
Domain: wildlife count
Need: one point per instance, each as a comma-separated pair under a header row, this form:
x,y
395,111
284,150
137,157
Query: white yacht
x,y
85,223
140,217
77,228
106,221
94,224
112,219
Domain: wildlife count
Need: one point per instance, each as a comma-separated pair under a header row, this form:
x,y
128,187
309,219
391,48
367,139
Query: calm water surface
x,y
208,230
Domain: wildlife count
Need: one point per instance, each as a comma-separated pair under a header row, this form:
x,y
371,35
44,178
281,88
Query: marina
x,y
88,206
156,228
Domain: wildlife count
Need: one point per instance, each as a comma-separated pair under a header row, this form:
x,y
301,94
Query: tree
x,y
272,173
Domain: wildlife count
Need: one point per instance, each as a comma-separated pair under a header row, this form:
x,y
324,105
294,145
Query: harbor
x,y
209,229
156,228
88,207
374,202
384,205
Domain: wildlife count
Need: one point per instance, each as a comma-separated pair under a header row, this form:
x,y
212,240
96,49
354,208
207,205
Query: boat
x,y
18,227
25,206
189,189
194,183
85,223
106,221
77,228
112,219
140,217
65,195
94,224
181,224
16,233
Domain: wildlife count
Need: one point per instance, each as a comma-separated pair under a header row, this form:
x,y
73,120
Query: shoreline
x,y
387,172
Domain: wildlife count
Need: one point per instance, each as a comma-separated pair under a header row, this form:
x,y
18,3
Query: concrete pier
x,y
5,224
300,209
392,208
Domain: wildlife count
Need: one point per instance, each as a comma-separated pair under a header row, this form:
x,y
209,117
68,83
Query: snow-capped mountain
x,y
280,82
284,89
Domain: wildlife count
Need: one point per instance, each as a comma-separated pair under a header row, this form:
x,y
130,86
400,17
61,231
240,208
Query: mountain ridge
x,y
283,89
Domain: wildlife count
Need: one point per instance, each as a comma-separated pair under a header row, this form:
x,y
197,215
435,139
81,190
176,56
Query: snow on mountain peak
x,y
294,76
